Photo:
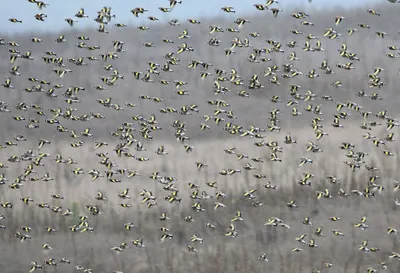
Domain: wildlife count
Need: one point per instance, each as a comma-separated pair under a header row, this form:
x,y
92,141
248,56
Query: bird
x,y
172,131
40,16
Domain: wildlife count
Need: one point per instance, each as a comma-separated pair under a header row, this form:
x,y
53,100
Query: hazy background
x,y
59,10
218,253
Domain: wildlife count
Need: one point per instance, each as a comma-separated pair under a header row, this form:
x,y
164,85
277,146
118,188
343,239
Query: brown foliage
x,y
218,253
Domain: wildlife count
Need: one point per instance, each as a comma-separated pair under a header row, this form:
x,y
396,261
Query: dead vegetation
x,y
218,253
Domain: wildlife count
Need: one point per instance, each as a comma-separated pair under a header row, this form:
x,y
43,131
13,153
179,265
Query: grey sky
x,y
58,10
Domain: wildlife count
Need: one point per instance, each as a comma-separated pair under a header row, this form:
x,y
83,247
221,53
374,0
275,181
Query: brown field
x,y
218,253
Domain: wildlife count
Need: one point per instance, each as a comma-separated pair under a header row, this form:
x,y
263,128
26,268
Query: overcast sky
x,y
58,10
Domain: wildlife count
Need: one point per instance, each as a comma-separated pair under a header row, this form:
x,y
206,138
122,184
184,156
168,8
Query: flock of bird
x,y
135,133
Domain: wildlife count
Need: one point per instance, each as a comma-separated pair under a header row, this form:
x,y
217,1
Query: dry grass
x,y
92,249
218,253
